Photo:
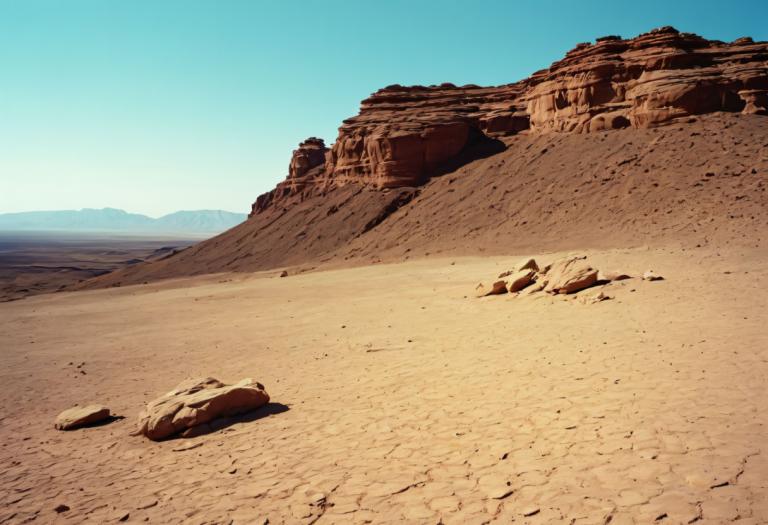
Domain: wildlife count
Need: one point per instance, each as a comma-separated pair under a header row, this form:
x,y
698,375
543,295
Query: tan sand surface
x,y
399,397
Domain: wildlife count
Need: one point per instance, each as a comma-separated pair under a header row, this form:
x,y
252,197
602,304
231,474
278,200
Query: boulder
x,y
569,275
403,135
197,402
77,417
650,275
520,280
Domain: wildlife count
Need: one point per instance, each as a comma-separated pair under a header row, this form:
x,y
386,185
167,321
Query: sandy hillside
x,y
701,182
398,397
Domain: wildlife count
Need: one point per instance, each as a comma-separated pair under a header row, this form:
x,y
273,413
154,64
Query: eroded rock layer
x,y
648,81
404,135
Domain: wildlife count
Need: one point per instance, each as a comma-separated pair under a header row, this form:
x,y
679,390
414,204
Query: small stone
x,y
594,297
650,275
61,508
284,273
147,504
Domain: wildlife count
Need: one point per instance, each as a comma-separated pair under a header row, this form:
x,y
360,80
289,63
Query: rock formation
x,y
77,417
404,135
648,81
567,275
524,167
306,168
194,403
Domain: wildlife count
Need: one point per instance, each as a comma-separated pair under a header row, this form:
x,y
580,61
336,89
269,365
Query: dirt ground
x,y
397,396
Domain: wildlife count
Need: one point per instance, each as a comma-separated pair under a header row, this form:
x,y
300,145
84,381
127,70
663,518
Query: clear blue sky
x,y
160,105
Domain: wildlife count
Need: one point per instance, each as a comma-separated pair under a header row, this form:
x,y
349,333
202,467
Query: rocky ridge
x,y
404,135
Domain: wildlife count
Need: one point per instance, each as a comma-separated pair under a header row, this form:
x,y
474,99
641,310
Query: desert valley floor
x,y
397,396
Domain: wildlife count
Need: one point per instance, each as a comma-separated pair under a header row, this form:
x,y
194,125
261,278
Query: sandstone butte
x,y
654,139
404,135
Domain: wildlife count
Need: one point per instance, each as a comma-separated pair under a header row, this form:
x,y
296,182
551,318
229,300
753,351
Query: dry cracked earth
x,y
397,396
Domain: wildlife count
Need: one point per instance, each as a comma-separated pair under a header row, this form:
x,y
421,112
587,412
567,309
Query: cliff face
x,y
648,81
404,135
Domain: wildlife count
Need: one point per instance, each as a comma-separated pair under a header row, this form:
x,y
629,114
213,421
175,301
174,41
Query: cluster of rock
x,y
564,276
403,135
189,409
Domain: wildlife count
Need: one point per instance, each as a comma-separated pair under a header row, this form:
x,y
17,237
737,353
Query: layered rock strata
x,y
404,135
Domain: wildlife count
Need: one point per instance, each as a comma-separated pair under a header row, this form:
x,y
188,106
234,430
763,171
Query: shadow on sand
x,y
222,423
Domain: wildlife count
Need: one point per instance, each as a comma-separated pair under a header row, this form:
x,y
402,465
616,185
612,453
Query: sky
x,y
159,105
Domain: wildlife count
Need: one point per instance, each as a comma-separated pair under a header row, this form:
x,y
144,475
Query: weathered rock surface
x,y
403,135
647,81
77,417
305,172
197,402
520,280
569,275
496,288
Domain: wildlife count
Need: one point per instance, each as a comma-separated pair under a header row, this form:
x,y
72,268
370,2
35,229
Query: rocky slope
x,y
404,135
658,138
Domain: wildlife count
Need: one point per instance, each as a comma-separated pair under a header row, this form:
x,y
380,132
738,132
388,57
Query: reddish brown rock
x,y
647,81
197,402
77,417
496,288
304,174
520,280
404,135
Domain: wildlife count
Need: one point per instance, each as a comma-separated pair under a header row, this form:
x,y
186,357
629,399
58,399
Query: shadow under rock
x,y
102,423
222,423
479,146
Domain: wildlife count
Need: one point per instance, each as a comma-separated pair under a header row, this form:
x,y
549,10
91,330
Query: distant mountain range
x,y
111,219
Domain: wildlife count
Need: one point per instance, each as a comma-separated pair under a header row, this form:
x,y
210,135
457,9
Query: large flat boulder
x,y
569,275
197,402
77,417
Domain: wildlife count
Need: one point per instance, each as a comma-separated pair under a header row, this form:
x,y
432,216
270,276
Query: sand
x,y
399,397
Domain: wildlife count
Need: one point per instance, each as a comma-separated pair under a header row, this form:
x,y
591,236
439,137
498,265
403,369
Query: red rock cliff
x,y
403,135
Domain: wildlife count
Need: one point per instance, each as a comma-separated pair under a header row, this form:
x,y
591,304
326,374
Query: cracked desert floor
x,y
399,397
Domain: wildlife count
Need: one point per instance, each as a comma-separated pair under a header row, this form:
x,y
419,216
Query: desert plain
x,y
398,392
398,396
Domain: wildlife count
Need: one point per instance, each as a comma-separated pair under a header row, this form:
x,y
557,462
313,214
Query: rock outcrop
x,y
648,81
568,275
197,402
77,417
403,135
304,172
